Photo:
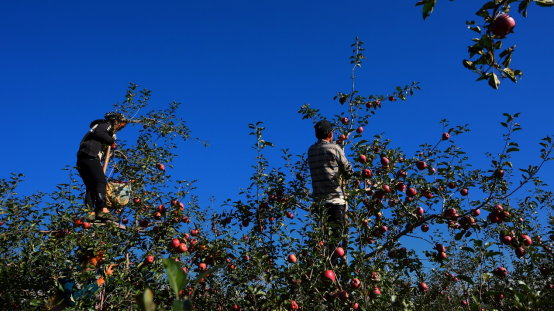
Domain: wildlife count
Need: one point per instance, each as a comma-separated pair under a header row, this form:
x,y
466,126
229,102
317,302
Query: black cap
x,y
323,126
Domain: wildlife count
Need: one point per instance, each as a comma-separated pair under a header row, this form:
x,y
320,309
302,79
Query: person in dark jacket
x,y
89,165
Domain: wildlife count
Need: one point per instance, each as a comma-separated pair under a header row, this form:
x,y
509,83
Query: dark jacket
x,y
99,134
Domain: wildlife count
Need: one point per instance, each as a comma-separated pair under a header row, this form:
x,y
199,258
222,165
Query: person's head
x,y
324,130
118,120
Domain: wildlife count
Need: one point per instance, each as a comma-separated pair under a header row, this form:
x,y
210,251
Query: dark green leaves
x,y
428,6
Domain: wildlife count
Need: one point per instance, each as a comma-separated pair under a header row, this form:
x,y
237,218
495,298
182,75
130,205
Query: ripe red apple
x,y
228,220
366,223
355,283
185,220
328,277
339,252
202,266
419,211
425,228
441,256
245,222
386,188
421,165
143,223
502,25
500,272
475,212
499,173
526,240
183,247
86,225
400,186
359,130
291,258
383,229
422,287
366,173
136,200
293,305
362,159
520,252
355,306
411,192
342,99
391,98
464,192
290,215
125,221
194,232
150,259
450,212
78,223
451,184
401,174
464,303
343,296
384,161
160,166
440,247
344,120
175,243
375,292
445,136
157,216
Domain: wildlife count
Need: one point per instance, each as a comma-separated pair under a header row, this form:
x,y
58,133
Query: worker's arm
x,y
344,165
101,132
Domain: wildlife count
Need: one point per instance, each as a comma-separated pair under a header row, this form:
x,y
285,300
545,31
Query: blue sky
x,y
233,63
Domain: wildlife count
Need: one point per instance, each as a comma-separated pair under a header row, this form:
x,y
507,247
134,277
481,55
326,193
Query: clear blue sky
x,y
64,63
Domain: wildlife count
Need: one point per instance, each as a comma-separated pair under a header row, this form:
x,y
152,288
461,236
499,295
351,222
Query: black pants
x,y
336,220
92,173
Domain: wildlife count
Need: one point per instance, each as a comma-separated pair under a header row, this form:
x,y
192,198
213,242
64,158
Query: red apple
x,y
421,165
355,283
291,258
422,287
499,173
451,184
160,166
502,25
183,247
419,211
359,130
339,252
342,99
228,220
384,161
328,277
366,173
202,266
441,256
149,259
86,225
526,240
136,200
125,221
362,159
175,243
440,247
411,192
400,186
143,223
355,306
520,252
375,292
245,222
343,296
386,188
78,223
425,228
445,136
290,215
464,192
383,229
475,212
344,120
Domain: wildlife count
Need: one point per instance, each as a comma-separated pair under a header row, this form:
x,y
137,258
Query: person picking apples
x,y
90,169
328,164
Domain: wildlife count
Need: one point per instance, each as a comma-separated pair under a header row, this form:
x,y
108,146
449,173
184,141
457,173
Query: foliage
x,y
486,58
236,257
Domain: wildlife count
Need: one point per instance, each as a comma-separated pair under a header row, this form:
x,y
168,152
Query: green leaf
x,y
512,149
428,6
486,276
544,3
493,81
145,301
459,236
468,249
178,305
466,279
175,276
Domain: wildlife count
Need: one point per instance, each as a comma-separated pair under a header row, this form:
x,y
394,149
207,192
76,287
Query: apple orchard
x,y
482,246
